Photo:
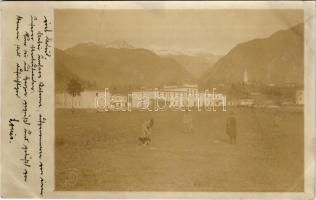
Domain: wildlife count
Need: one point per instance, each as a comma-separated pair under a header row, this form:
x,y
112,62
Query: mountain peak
x,y
84,45
119,44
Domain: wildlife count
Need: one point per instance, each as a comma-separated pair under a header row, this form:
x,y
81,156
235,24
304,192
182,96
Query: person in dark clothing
x,y
187,121
231,128
146,129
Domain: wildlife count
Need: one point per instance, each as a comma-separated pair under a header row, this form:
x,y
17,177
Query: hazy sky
x,y
216,31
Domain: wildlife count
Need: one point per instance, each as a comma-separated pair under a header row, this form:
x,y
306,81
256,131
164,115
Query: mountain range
x,y
98,66
275,59
119,65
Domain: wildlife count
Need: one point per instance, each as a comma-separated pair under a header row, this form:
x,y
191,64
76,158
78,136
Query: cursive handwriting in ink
x,y
40,93
39,66
47,46
46,29
27,157
27,133
33,68
39,40
26,67
17,50
42,186
25,174
25,54
41,168
32,25
33,49
40,123
18,21
17,79
32,55
25,85
26,38
26,116
11,130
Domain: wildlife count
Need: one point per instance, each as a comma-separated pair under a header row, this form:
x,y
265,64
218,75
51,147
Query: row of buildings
x,y
168,97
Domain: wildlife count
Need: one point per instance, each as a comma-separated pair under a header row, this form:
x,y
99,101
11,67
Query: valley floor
x,y
100,152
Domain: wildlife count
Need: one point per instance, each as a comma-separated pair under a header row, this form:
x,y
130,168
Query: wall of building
x,y
175,98
86,100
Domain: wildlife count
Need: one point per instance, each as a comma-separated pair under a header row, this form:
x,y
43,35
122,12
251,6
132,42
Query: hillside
x,y
63,75
276,59
117,68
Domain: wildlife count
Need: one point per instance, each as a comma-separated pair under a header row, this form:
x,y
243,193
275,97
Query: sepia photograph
x,y
179,100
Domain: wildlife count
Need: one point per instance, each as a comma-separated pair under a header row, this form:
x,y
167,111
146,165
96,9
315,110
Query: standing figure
x,y
231,128
276,120
146,129
187,122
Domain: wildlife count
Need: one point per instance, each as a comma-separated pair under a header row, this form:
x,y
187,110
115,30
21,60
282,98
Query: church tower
x,y
245,77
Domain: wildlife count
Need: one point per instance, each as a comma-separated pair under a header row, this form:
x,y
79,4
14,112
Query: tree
x,y
74,88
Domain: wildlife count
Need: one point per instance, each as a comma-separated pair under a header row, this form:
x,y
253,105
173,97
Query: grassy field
x,y
100,152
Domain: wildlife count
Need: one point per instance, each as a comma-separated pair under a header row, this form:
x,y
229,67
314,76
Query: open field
x,y
100,152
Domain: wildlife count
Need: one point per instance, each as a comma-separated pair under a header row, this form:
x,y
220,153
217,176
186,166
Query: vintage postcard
x,y
158,100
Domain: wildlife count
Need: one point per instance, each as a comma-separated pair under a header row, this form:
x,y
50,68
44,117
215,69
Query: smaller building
x,y
89,99
246,102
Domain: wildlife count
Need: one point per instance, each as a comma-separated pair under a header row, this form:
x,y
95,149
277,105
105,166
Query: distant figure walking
x,y
231,126
187,122
147,129
276,120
